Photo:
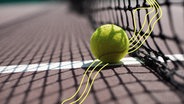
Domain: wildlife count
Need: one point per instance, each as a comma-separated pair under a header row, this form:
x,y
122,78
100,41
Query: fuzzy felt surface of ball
x,y
109,43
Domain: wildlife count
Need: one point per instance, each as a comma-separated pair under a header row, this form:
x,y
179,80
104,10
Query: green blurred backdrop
x,y
16,1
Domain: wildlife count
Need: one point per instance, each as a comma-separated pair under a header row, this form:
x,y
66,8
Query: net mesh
x,y
166,38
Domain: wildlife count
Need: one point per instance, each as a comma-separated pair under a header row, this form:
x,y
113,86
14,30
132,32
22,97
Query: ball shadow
x,y
110,66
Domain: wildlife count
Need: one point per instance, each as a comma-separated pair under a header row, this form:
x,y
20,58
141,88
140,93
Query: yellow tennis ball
x,y
109,43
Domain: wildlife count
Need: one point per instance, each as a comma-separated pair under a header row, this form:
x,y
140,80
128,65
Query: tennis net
x,y
166,39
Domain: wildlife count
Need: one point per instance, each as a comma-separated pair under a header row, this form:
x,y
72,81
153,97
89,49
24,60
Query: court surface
x,y
44,51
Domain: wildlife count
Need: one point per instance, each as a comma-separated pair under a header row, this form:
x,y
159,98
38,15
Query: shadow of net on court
x,y
59,36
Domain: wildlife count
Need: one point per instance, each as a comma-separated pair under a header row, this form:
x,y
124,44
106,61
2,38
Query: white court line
x,y
74,64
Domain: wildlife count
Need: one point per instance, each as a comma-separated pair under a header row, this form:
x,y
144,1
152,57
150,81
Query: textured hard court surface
x,y
49,32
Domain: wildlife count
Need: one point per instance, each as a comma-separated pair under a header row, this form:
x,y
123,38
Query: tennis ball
x,y
109,43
